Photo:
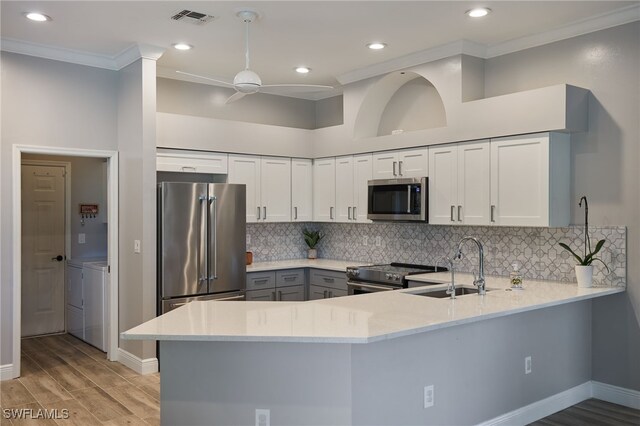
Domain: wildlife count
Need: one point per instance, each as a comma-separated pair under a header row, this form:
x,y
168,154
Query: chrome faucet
x,y
478,280
451,288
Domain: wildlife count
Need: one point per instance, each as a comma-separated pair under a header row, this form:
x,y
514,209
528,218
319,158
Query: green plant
x,y
589,256
312,238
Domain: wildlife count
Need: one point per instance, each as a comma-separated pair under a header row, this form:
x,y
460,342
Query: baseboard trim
x,y
139,365
617,395
543,408
6,372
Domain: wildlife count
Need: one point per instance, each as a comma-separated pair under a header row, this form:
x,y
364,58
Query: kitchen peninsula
x,y
367,359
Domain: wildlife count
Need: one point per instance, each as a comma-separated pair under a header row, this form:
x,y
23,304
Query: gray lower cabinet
x,y
286,285
319,292
327,284
264,295
290,294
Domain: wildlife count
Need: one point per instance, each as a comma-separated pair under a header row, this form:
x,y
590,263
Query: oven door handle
x,y
368,286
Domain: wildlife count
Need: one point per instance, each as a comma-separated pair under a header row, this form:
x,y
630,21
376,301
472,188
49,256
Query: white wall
x,y
604,162
47,103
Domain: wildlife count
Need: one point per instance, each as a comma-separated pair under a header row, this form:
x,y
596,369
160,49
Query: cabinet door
x,y
344,189
276,189
443,184
385,165
317,292
474,183
362,174
324,189
191,162
301,190
265,295
334,292
520,181
413,163
245,169
290,294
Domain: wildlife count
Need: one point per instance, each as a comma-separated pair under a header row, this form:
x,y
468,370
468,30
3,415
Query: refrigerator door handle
x,y
214,210
202,243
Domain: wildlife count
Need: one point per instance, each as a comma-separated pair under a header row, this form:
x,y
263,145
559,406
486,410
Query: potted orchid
x,y
584,267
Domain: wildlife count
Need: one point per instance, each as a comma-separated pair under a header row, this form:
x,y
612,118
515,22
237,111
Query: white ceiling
x,y
328,36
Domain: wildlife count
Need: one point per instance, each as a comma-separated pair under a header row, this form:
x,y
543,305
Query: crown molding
x,y
464,47
611,19
115,63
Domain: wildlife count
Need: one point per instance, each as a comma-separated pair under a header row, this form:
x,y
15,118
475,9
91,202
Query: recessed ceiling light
x,y
302,70
38,17
478,12
182,46
376,45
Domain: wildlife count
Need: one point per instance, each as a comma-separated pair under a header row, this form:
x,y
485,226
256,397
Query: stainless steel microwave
x,y
403,199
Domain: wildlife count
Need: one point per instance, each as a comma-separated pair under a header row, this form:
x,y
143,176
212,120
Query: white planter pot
x,y
584,274
312,254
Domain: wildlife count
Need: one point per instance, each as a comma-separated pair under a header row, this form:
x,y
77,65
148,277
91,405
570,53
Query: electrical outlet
x,y
263,417
248,240
82,238
365,240
429,396
527,365
378,241
136,246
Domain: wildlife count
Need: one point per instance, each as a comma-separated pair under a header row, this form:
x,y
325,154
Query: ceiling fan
x,y
247,82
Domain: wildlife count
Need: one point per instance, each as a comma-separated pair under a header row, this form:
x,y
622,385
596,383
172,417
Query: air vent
x,y
191,17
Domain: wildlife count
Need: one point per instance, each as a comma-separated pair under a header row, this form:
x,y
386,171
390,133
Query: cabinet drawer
x,y
289,277
334,280
321,292
265,295
290,294
261,280
192,163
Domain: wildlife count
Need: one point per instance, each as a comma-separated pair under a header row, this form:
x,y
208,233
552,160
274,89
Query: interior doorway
x,y
44,239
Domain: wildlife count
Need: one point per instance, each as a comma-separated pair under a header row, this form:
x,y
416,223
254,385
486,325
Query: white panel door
x,y
43,238
474,183
301,190
245,169
443,184
276,189
344,189
520,181
362,174
413,163
324,189
385,165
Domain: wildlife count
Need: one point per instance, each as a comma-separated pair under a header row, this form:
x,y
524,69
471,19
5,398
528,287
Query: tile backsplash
x,y
536,250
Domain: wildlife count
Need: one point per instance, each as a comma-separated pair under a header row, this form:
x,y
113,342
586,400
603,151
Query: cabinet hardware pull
x,y
493,213
264,281
264,210
400,168
273,295
328,280
355,217
394,169
331,213
330,294
295,210
258,212
289,278
459,214
324,294
349,213
452,213
279,295
185,168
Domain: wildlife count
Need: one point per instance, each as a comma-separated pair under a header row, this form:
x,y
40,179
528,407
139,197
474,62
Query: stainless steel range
x,y
392,276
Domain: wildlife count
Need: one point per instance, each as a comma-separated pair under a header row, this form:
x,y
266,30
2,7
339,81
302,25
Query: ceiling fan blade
x,y
224,83
236,96
293,88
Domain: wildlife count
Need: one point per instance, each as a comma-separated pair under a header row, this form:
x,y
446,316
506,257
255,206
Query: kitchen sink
x,y
441,294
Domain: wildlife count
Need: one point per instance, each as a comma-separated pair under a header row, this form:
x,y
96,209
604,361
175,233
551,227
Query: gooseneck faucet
x,y
478,280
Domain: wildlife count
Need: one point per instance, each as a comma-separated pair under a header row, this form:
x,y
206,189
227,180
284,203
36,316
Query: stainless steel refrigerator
x,y
201,243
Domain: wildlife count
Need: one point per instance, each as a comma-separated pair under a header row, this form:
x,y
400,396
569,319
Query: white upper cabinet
x,y
401,164
301,190
191,162
474,183
268,183
324,189
443,184
530,182
352,176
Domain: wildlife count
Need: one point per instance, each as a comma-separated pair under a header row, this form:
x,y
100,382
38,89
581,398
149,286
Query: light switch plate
x,y
82,238
136,246
263,417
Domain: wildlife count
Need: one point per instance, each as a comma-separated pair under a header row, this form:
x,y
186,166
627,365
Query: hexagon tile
x,y
536,250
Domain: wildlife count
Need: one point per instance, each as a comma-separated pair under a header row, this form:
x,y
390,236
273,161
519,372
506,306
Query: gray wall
x,y
203,100
329,112
604,160
87,187
47,103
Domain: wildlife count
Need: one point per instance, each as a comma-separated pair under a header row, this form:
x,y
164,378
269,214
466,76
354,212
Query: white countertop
x,y
357,319
326,264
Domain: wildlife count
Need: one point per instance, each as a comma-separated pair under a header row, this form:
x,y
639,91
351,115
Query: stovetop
x,y
393,274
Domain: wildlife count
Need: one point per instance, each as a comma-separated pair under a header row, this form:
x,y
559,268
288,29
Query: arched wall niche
x,y
401,100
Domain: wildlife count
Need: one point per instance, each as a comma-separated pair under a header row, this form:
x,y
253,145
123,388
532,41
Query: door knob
x,y
59,258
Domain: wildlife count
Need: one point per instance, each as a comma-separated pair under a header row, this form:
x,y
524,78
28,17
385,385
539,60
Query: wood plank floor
x,y
593,412
62,372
